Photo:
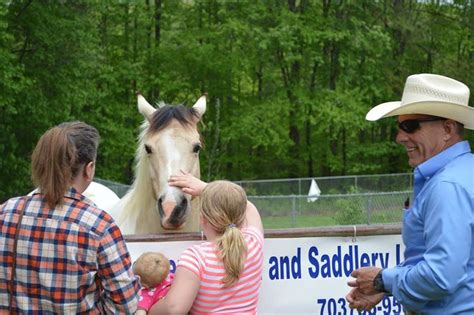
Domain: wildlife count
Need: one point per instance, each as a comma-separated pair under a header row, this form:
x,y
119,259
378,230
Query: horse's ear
x,y
144,107
200,106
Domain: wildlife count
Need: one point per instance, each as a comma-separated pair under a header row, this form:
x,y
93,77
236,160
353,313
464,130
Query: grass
x,y
284,222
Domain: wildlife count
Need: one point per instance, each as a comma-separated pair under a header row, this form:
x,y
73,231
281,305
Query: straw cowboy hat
x,y
430,94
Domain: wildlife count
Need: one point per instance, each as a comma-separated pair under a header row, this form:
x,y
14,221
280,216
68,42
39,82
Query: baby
x,y
153,268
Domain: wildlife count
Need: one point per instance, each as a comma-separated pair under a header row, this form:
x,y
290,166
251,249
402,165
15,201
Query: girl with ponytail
x,y
224,273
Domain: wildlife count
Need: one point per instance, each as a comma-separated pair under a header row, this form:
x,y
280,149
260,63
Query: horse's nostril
x,y
160,200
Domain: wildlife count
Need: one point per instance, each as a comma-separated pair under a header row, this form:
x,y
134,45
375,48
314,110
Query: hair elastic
x,y
232,225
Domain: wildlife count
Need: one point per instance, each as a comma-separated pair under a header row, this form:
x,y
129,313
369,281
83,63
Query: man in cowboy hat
x,y
437,276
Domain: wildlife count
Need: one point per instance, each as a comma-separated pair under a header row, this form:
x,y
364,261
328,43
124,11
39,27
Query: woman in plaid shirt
x,y
70,255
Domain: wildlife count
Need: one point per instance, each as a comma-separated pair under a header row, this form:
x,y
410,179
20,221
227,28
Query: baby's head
x,y
152,268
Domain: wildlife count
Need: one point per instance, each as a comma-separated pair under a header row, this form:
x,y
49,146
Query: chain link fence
x,y
329,210
323,201
329,185
329,201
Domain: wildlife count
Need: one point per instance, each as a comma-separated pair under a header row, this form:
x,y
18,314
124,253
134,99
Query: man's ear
x,y
89,170
450,129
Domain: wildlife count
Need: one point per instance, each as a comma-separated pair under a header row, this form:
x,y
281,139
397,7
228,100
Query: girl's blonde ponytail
x,y
223,205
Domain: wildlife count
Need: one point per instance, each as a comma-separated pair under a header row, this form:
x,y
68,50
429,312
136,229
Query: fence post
x,y
293,211
369,209
299,194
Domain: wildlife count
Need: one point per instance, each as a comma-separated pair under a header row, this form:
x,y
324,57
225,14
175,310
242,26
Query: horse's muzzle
x,y
173,216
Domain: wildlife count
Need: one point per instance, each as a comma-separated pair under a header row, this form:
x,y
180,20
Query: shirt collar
x,y
73,193
428,168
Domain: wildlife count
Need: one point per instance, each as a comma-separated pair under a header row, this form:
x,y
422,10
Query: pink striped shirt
x,y
212,297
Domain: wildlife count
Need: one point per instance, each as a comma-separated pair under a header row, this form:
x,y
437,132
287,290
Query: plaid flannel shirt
x,y
71,259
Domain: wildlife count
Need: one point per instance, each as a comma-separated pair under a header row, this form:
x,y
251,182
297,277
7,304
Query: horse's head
x,y
171,142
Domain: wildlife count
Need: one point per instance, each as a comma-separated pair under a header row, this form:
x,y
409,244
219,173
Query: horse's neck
x,y
137,214
137,210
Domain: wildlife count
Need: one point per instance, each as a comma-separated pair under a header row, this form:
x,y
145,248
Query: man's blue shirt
x,y
438,232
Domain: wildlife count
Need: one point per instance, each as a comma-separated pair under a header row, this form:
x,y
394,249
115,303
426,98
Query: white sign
x,y
308,275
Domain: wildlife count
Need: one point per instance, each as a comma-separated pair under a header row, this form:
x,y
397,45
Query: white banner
x,y
308,275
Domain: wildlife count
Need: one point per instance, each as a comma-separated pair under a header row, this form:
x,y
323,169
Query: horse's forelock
x,y
164,115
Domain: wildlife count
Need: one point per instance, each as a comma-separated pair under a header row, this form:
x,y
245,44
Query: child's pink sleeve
x,y
146,299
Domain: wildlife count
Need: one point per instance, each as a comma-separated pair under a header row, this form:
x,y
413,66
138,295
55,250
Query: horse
x,y
103,197
169,143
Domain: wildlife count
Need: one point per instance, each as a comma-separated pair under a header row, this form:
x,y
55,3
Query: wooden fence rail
x,y
327,231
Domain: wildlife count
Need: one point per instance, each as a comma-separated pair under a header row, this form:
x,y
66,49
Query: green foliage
x,y
289,83
14,171
348,213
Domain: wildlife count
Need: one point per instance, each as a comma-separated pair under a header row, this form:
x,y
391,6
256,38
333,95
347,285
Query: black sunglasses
x,y
412,125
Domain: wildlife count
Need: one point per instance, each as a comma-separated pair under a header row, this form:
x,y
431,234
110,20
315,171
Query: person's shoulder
x,y
92,218
202,251
250,229
194,257
253,232
10,204
462,159
13,200
191,250
460,171
199,249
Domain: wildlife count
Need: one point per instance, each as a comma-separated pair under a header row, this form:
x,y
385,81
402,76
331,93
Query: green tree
x,y
289,82
14,116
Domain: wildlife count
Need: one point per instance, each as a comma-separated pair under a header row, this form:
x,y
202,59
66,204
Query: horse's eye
x,y
148,149
196,148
